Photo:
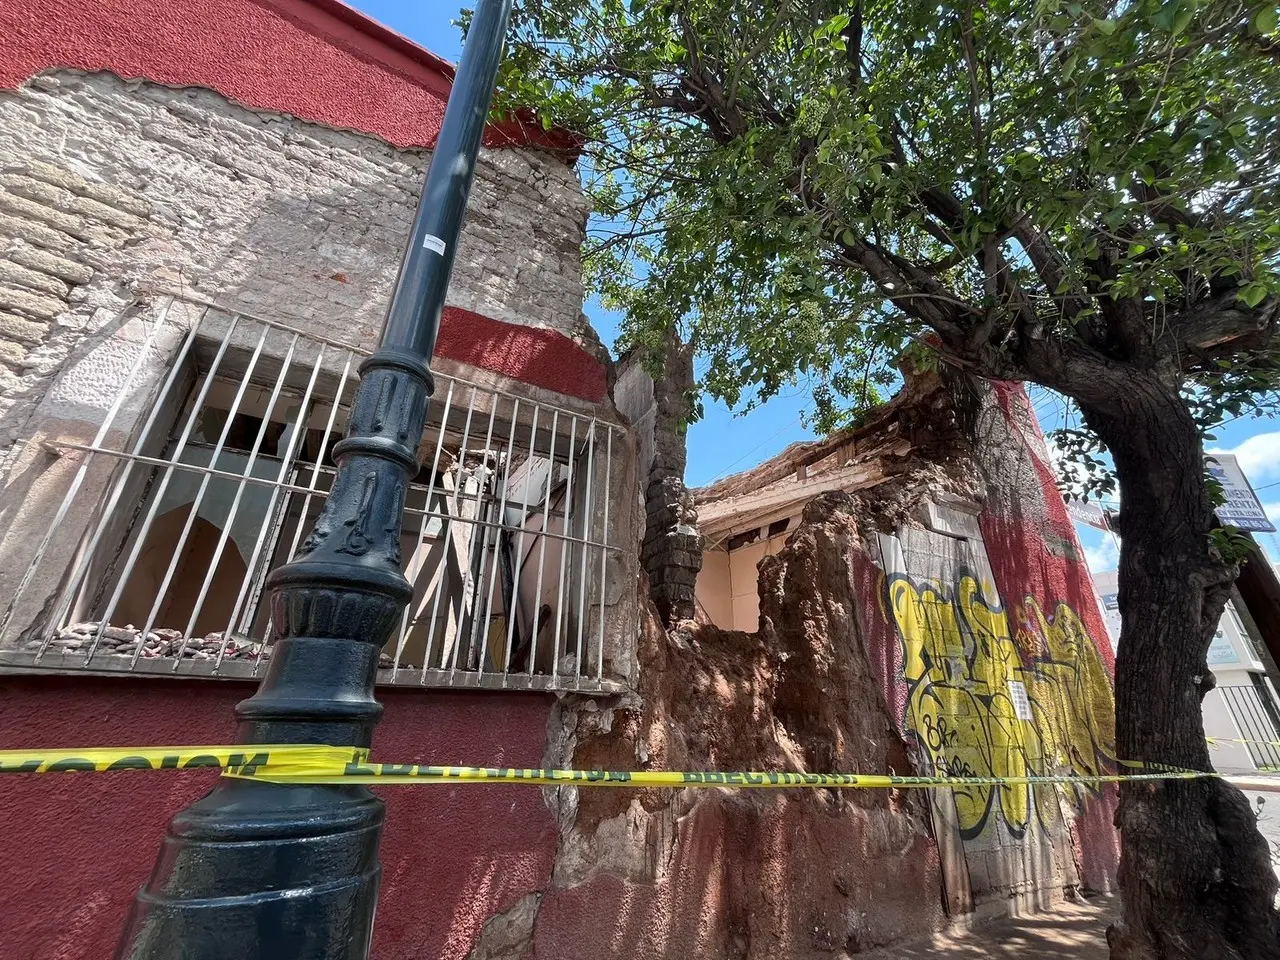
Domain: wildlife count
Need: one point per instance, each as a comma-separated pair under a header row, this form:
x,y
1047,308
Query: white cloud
x,y
1104,557
1259,456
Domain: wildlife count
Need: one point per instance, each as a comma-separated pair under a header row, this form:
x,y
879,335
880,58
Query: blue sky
x,y
721,443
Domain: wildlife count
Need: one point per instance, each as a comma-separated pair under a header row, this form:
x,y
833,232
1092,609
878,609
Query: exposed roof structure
x,y
884,447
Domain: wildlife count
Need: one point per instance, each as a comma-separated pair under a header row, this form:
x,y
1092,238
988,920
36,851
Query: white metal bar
x,y
472,597
233,511
307,492
542,543
502,528
564,549
295,488
192,416
411,609
586,536
299,431
517,561
446,533
604,553
83,470
175,560
107,511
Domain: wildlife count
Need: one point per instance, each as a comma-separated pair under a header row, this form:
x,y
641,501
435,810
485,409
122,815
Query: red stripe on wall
x,y
543,358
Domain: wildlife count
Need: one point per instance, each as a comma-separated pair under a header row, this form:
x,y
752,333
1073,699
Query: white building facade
x,y
1242,713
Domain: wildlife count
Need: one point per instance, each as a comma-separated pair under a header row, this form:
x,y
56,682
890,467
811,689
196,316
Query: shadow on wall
x,y
145,602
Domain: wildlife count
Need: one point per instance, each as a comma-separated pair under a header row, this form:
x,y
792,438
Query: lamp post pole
x,y
262,871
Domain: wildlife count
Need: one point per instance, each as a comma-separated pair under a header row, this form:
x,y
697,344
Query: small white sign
x,y
1221,650
1241,507
1088,512
1021,703
433,243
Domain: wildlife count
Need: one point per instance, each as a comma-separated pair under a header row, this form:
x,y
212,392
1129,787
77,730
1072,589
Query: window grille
x,y
506,529
1253,709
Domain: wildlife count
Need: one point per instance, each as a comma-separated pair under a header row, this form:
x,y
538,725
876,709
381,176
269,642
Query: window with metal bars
x,y
506,530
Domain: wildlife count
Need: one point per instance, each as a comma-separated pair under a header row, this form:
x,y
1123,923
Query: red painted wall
x,y
76,846
544,358
1025,566
1018,547
316,59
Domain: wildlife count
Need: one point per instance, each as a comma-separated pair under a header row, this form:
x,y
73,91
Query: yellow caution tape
x,y
396,773
316,764
1214,741
240,760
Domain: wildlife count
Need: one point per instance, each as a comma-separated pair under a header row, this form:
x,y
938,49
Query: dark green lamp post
x,y
260,871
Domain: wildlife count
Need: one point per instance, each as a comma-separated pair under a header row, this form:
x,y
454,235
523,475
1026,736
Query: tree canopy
x,y
1079,194
802,186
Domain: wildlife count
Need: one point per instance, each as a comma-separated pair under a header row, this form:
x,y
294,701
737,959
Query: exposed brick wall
x,y
110,188
671,553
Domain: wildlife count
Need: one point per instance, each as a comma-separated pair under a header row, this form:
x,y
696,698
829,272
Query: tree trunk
x,y
1195,874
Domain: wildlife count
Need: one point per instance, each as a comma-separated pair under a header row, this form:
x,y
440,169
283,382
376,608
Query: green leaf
x,y
1266,20
1253,294
1183,18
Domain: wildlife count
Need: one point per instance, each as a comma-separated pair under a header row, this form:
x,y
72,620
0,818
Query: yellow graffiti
x,y
984,702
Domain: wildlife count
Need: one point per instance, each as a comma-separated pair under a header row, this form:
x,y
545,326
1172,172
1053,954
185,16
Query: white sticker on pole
x,y
433,243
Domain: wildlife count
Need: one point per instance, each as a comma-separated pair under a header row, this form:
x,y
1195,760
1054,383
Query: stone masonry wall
x,y
672,550
110,188
115,192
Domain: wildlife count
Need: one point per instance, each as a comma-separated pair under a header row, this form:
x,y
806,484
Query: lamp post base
x,y
283,873
268,871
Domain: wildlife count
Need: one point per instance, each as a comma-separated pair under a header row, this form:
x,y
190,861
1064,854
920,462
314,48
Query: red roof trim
x,y
319,60
385,35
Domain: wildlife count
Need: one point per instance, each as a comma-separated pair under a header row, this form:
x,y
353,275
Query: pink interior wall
x,y
77,846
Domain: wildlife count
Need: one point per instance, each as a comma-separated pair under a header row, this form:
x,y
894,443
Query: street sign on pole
x,y
1241,507
1088,512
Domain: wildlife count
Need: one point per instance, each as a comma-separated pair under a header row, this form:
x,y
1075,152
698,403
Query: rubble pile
x,y
160,642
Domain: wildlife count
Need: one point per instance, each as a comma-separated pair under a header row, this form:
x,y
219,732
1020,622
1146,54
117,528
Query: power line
x,y
762,443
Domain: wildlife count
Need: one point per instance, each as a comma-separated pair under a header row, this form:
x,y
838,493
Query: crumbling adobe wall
x,y
732,873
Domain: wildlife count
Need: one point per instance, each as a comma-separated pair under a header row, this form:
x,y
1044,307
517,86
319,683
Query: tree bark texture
x,y
1195,874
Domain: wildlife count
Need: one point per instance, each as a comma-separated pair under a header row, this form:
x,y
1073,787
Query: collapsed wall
x,y
732,873
888,641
